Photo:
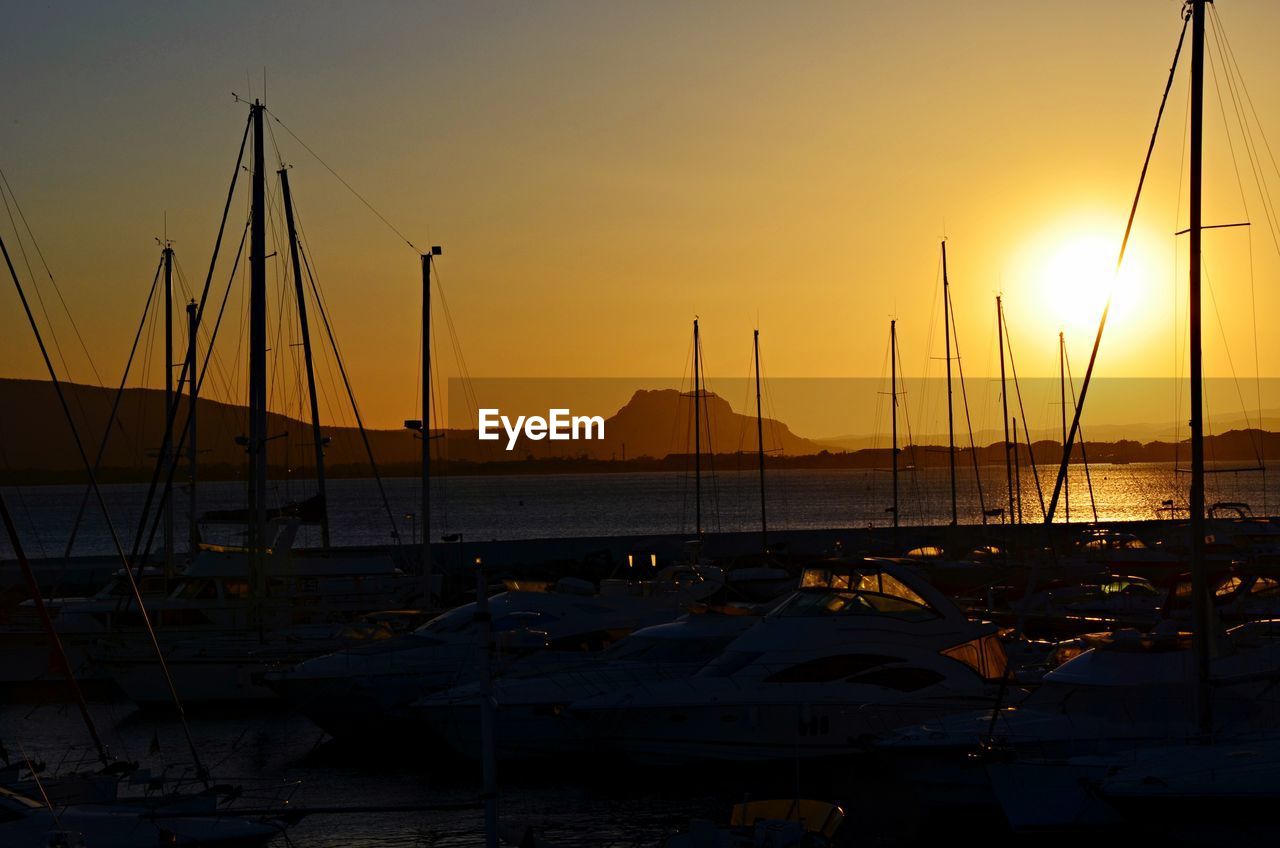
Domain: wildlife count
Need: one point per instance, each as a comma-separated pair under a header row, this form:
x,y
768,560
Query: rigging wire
x,y
1084,457
57,345
172,468
111,417
1017,388
355,408
345,184
778,488
115,537
906,418
1102,323
48,272
964,396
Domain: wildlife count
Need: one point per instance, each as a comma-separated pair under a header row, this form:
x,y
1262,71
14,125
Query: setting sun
x,y
1077,275
1068,269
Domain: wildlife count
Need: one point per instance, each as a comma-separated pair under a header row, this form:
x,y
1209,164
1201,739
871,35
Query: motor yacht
x,y
861,647
365,692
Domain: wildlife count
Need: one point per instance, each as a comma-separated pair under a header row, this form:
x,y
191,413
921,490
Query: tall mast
x,y
168,401
697,434
427,259
951,427
193,529
1199,580
1004,405
1062,398
893,394
257,494
316,437
764,524
1017,474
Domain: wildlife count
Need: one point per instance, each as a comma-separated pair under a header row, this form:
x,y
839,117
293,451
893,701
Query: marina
x,y
242,604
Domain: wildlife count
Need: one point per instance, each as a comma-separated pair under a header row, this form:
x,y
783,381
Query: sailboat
x,y
767,580
860,646
237,610
90,804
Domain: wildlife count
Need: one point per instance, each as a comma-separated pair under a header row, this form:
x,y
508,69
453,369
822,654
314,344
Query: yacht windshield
x,y
826,591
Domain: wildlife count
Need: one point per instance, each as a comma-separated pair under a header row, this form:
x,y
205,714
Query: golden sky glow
x,y
599,173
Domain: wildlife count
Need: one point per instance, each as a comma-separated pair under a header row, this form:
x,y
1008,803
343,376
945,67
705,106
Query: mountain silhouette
x,y
38,444
660,422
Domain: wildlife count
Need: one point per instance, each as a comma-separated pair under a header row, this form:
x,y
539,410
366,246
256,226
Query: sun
x,y
1074,279
1073,275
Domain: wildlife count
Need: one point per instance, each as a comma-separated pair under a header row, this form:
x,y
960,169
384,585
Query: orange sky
x,y
600,173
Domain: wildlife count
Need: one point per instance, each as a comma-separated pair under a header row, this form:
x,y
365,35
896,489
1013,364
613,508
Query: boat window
x,y
729,663
1228,586
826,669
1128,587
1265,586
860,581
897,600
235,588
926,552
902,678
985,655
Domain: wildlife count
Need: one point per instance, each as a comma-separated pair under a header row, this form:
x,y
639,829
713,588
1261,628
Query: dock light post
x,y
417,426
413,527
424,426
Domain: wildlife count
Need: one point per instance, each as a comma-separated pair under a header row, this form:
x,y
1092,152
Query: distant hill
x,y
1143,432
660,422
653,430
38,445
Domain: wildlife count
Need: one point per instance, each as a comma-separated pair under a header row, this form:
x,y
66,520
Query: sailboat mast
x,y
1004,404
193,529
257,494
427,259
951,427
697,433
764,524
1199,579
1062,401
1017,474
893,394
168,402
316,437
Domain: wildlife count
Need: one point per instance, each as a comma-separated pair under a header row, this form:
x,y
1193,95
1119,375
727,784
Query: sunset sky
x,y
599,173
